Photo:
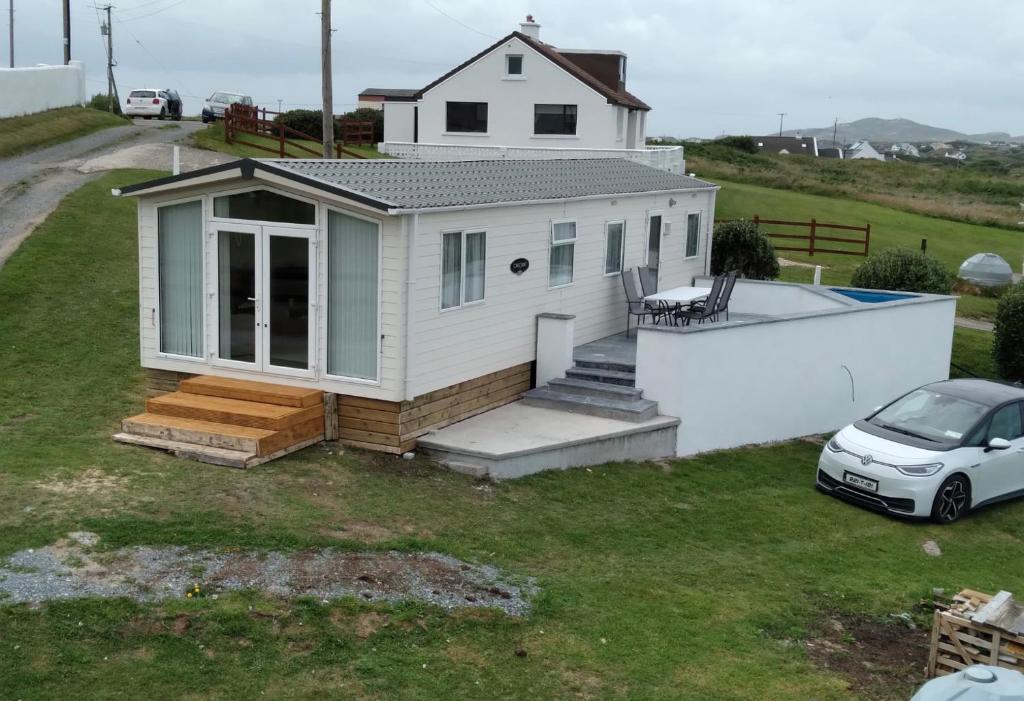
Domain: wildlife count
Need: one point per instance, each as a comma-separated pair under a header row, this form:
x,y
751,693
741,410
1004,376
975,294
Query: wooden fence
x,y
356,132
242,120
813,238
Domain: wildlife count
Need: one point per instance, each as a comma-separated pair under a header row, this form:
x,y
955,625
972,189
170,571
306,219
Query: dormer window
x,y
513,65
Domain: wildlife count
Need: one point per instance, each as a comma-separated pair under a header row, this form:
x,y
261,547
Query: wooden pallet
x,y
229,422
958,642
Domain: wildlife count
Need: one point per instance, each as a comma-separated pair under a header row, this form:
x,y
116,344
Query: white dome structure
x,y
975,683
986,270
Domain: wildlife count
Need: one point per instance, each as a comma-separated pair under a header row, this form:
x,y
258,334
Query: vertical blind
x,y
563,245
451,270
613,248
352,292
692,234
476,257
180,278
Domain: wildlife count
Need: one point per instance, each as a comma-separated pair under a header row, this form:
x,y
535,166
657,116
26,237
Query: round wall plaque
x,y
519,266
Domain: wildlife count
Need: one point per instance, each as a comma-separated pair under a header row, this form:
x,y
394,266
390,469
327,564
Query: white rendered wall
x,y
757,382
778,298
40,88
399,121
511,100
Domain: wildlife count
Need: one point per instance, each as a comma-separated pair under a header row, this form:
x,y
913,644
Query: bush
x,y
1008,344
740,143
311,121
100,102
905,270
742,246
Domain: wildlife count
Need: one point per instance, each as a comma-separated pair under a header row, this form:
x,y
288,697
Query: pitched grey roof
x,y
402,184
401,93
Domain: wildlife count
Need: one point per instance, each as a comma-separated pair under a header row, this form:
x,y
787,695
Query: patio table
x,y
679,295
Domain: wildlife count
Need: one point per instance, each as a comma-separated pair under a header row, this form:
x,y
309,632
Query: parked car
x,y
937,452
213,108
155,102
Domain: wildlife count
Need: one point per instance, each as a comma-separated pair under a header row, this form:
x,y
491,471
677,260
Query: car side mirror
x,y
997,444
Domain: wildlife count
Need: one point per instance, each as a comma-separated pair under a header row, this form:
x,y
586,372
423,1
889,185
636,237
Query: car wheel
x,y
163,113
952,500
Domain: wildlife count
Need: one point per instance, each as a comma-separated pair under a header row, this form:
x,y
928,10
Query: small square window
x,y
514,64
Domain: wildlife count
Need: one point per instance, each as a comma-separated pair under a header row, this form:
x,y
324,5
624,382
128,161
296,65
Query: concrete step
x,y
605,365
611,377
201,453
236,412
633,410
574,385
247,390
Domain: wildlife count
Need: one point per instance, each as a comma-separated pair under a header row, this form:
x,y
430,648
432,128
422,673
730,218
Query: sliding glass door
x,y
264,294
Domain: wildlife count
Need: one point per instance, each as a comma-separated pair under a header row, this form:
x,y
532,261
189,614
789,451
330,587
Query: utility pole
x,y
325,71
782,115
108,30
835,129
11,35
67,31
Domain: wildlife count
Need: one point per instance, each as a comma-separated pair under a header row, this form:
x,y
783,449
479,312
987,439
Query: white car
x,y
147,103
937,452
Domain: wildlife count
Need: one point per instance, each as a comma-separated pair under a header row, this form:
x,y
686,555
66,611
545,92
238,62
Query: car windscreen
x,y
930,415
143,93
224,97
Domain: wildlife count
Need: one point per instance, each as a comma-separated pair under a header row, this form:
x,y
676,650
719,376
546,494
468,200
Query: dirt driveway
x,y
32,184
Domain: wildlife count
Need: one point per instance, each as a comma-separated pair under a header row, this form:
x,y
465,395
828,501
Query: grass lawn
x,y
949,241
694,579
35,131
212,138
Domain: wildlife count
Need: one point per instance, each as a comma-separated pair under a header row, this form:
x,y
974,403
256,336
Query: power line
x,y
460,22
155,12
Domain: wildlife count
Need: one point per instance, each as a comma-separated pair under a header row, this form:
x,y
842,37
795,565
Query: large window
x,y
466,117
352,295
614,237
563,250
554,119
692,234
463,263
180,278
264,205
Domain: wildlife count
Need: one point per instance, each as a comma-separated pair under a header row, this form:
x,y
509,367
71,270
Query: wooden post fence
x,y
813,237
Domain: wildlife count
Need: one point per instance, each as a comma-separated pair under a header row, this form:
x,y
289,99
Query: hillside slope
x,y
892,130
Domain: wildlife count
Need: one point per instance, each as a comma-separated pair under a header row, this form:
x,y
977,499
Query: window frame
x,y
212,219
622,248
521,75
987,429
463,234
697,235
552,243
575,122
447,119
207,207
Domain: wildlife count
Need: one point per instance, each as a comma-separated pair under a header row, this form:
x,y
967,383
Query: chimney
x,y
530,28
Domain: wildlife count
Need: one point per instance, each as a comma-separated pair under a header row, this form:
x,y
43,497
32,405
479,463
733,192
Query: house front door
x,y
654,241
265,292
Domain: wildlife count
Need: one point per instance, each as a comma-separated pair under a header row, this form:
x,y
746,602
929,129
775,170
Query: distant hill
x,y
893,130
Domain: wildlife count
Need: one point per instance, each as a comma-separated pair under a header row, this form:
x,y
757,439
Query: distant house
x,y
905,149
940,146
957,155
522,92
830,152
862,150
788,145
374,98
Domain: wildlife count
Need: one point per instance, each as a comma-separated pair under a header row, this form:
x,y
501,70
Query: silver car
x,y
214,106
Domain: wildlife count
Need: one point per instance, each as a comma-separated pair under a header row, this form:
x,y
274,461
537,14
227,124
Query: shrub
x,y
740,143
100,102
1008,344
905,270
742,246
311,121
369,114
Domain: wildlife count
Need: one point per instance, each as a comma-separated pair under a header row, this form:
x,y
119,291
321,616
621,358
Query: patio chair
x,y
723,300
701,312
648,279
635,304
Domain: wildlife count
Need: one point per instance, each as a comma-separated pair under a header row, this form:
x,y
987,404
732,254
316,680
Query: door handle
x,y
251,299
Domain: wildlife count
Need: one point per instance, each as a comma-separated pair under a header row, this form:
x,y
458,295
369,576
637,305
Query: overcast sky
x,y
706,67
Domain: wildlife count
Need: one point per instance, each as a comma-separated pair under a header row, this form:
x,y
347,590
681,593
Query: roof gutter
x,y
517,203
411,225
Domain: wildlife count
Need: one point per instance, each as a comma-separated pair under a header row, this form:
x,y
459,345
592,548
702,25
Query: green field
x,y
692,579
949,241
212,138
979,193
35,131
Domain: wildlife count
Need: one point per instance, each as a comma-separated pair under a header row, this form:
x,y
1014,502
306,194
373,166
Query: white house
x,y
409,289
863,150
905,149
522,92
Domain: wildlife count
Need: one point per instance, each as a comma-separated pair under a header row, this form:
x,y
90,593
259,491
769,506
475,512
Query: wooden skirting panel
x,y
160,382
393,427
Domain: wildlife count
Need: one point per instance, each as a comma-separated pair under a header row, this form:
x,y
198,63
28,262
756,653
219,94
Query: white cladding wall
x,y
459,344
759,382
510,105
392,319
39,88
399,121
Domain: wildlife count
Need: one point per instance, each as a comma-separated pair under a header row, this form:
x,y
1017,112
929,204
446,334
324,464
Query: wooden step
x,y
201,453
260,441
250,391
236,412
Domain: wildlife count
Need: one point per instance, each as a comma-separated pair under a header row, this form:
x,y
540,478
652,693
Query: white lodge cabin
x,y
393,284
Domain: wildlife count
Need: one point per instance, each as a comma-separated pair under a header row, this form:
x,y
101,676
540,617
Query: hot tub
x,y
872,296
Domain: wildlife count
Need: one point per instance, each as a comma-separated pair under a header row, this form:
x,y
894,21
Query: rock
x,y
932,548
408,456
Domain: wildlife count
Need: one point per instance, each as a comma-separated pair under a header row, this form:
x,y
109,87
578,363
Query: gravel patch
x,y
71,568
160,156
